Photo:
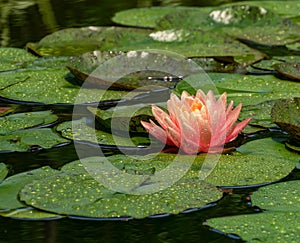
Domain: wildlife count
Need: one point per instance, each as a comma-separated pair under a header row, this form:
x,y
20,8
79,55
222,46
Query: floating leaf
x,y
23,140
13,58
11,186
94,200
144,17
127,71
286,114
35,86
123,118
290,70
80,130
280,223
30,213
262,227
3,171
25,120
76,41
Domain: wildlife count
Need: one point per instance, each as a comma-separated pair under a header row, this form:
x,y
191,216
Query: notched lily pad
x,y
286,114
290,70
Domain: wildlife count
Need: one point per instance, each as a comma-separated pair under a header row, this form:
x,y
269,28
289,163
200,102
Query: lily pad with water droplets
x,y
76,41
11,186
24,140
280,221
82,195
83,131
19,121
13,58
3,171
291,70
126,71
49,86
30,213
286,114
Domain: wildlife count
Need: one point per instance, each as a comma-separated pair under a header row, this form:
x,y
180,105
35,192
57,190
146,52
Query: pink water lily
x,y
199,123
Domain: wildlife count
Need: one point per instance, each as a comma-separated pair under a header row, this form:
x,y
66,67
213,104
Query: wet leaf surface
x,y
279,223
11,186
291,70
13,58
286,114
19,121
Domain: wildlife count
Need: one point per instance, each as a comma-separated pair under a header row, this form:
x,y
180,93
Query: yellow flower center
x,y
196,105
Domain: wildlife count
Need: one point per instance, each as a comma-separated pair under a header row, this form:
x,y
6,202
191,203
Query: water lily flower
x,y
199,123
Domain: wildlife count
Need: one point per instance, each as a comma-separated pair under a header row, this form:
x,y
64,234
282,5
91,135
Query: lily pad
x,y
19,121
262,227
76,41
13,58
11,186
80,130
35,86
30,213
290,70
82,195
123,118
3,171
286,114
280,222
23,140
260,114
144,17
126,71
252,90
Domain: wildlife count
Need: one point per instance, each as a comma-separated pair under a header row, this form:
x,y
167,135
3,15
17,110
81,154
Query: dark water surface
x,y
29,21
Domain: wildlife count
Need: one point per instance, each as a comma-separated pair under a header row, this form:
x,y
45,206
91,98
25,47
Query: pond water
x,y
30,21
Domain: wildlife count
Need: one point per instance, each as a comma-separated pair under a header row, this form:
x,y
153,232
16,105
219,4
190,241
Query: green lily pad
x,y
188,43
290,70
3,171
49,86
23,140
82,195
19,121
260,114
283,8
280,222
262,227
252,90
13,58
144,17
80,130
30,213
76,41
123,118
286,114
126,71
276,35
11,186
213,18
